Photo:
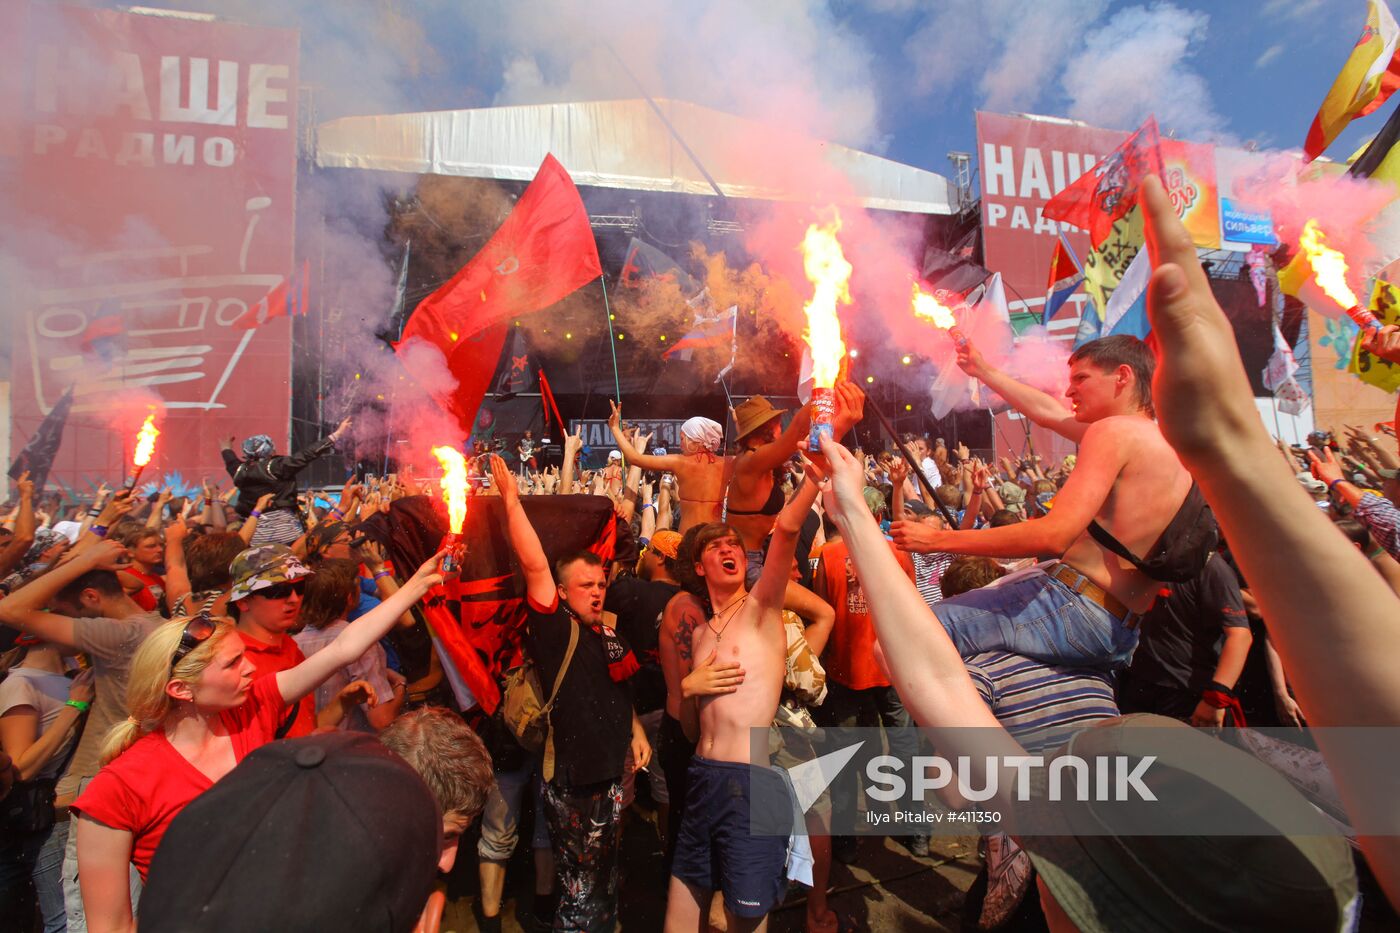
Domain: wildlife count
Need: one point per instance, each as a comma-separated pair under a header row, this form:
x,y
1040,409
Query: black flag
x,y
37,456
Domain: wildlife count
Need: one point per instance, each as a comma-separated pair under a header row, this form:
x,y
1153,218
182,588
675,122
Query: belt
x,y
1091,591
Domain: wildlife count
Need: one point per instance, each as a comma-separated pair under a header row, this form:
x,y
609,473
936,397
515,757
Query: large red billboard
x,y
150,202
1025,161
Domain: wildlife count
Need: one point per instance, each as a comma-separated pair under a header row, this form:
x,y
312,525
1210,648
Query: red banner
x,y
1026,161
154,182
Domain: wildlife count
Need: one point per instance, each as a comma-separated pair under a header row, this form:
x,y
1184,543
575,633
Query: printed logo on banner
x,y
1241,225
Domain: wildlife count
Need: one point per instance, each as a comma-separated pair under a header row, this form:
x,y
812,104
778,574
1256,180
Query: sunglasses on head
x,y
281,590
197,630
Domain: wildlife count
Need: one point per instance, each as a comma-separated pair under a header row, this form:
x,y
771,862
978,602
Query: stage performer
x,y
525,450
1129,495
718,847
699,467
262,472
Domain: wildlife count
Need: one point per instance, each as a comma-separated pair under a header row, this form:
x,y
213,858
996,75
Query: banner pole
x,y
612,340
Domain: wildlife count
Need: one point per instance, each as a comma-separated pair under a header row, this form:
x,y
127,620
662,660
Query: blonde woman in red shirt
x,y
196,711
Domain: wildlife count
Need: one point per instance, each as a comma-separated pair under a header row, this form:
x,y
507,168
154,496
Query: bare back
x,y
700,487
756,639
1148,490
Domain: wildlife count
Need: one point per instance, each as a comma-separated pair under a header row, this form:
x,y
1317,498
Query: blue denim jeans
x,y
1033,614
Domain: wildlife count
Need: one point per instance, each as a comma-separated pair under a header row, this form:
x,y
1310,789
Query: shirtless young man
x,y
745,645
1083,608
699,467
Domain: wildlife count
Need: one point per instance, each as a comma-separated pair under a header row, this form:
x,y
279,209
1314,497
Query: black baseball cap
x,y
328,832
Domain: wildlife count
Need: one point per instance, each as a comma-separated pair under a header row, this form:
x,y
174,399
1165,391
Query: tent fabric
x,y
623,144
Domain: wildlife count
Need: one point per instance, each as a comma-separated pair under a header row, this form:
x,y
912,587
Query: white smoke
x,y
1138,64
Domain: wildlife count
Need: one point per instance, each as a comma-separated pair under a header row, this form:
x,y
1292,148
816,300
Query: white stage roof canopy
x,y
623,144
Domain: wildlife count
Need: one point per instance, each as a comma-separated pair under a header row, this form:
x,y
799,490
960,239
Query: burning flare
x,y
829,273
929,307
454,485
1329,266
146,441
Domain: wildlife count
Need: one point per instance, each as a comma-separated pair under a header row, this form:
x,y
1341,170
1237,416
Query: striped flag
x,y
706,331
1065,276
291,298
1371,74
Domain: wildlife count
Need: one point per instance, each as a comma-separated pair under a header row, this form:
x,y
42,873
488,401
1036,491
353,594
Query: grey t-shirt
x,y
47,693
109,644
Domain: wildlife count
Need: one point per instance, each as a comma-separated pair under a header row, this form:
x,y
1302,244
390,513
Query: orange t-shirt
x,y
849,657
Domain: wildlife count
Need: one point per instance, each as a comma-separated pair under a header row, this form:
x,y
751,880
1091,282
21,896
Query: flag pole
x,y
612,341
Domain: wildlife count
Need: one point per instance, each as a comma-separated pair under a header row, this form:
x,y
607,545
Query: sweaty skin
x,y
1127,478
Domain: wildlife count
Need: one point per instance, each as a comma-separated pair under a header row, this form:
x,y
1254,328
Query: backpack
x,y
525,710
1180,554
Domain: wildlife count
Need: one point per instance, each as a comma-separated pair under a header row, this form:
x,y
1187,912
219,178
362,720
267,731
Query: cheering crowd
x,y
227,713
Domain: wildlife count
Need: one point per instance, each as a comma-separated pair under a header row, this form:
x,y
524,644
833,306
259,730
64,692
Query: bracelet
x,y
79,705
380,574
99,530
94,512
1333,485
336,513
255,514
648,505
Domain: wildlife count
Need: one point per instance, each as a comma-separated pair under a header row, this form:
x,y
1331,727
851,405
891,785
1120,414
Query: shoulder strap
x,y
564,665
1188,511
1101,534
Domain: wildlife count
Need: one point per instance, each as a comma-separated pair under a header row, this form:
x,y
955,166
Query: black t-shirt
x,y
1180,636
638,605
592,715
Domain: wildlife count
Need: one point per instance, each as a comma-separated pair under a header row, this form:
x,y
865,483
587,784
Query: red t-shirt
x,y
150,596
282,655
146,786
849,657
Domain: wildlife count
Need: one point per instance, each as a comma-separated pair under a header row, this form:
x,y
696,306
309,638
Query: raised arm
x,y
1036,405
177,573
539,576
23,538
289,466
24,608
630,453
1334,621
355,640
770,456
573,446
771,588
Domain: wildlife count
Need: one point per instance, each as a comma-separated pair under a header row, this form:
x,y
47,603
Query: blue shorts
x,y
717,847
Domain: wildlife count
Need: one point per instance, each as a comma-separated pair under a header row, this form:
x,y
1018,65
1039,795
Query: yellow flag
x,y
1365,81
1383,374
1105,264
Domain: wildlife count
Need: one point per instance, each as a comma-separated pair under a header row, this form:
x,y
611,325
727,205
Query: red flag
x,y
543,251
1109,189
547,400
290,298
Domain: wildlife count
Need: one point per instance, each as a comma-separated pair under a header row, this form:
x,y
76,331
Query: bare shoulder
x,y
681,606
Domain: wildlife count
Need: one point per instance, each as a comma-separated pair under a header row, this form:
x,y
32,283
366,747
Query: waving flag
x,y
707,331
291,298
543,252
1065,276
1109,189
646,261
38,455
1367,79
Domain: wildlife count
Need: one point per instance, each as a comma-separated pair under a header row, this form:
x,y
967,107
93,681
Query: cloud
x,y
1269,54
1138,64
1291,9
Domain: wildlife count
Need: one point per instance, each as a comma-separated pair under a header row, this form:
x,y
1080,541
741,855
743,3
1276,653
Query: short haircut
x,y
130,535
208,557
1356,532
1002,517
1044,485
951,496
104,581
449,757
328,592
968,573
696,539
1108,353
577,557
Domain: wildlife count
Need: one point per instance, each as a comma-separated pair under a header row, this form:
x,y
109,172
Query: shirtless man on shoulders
x,y
1083,608
734,691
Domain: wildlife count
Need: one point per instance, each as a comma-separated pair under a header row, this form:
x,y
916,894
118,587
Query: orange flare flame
x,y
829,273
929,307
1329,266
454,485
146,441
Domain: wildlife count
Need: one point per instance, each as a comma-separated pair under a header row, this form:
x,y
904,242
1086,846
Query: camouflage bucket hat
x,y
257,568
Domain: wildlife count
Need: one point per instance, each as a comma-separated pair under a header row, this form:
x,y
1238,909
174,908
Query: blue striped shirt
x,y
1040,704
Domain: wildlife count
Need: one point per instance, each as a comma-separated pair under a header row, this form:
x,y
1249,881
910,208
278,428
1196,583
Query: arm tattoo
x,y
685,630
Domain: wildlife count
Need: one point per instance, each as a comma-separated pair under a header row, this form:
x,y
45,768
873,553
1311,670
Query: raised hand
x,y
971,361
503,480
263,502
615,417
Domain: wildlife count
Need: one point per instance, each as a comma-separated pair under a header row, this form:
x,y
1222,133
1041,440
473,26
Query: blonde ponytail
x,y
146,699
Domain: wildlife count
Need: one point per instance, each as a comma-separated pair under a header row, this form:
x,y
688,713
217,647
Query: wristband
x,y
1333,485
79,705
94,512
99,530
255,514
336,513
648,505
380,574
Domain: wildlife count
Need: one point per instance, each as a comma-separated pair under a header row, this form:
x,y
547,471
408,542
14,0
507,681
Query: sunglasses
x,y
281,590
197,630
